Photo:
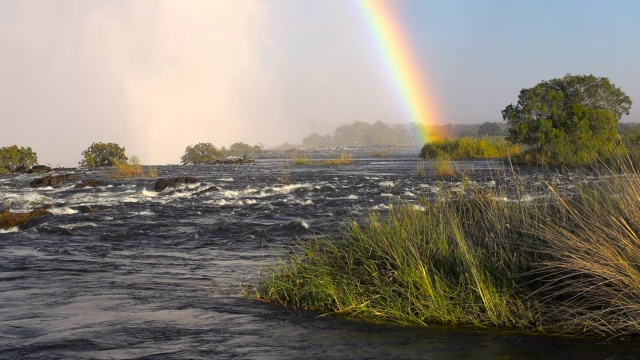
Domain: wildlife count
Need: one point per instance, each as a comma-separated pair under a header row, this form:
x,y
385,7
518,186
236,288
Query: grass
x,y
570,264
443,166
132,169
345,159
302,160
381,154
420,168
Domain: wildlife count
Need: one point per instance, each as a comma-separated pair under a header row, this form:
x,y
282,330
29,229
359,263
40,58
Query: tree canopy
x,y
241,149
14,157
490,129
200,153
101,154
573,119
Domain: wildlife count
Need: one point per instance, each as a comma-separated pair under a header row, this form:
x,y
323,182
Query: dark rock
x,y
207,190
166,183
89,183
22,169
51,180
39,169
9,219
90,208
238,161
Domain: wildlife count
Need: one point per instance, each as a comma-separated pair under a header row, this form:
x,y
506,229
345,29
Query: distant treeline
x,y
381,134
364,134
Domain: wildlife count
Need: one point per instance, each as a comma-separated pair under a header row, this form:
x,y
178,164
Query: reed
x,y
345,159
301,160
569,264
420,168
443,166
132,169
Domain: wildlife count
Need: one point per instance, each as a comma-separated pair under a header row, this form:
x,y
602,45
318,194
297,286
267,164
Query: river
x,y
120,271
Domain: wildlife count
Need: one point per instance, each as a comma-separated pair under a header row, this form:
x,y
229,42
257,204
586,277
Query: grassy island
x,y
568,263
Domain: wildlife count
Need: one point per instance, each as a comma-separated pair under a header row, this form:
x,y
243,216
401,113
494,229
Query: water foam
x,y
62,211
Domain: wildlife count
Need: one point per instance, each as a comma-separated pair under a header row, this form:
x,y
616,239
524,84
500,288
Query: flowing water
x,y
120,271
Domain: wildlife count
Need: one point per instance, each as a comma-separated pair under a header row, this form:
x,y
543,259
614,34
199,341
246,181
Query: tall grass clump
x,y
443,166
594,270
568,264
443,263
132,169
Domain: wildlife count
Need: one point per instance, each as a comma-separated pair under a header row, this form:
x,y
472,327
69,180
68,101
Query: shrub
x,y
470,148
14,157
101,154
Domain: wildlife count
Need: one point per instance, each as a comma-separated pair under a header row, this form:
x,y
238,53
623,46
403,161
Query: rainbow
x,y
395,48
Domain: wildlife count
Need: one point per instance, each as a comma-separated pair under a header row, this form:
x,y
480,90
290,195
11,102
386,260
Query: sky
x,y
158,75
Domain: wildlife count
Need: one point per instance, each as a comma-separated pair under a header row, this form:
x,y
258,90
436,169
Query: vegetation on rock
x,y
9,219
13,157
204,153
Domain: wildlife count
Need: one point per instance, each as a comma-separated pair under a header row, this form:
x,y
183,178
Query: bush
x,y
14,157
470,148
101,154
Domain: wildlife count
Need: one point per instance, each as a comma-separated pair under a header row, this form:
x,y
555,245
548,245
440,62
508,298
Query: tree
x,y
200,153
241,149
14,157
101,154
573,119
490,129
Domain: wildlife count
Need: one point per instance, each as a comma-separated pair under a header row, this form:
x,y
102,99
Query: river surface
x,y
121,272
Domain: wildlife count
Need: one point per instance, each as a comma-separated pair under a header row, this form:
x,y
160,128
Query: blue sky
x,y
158,75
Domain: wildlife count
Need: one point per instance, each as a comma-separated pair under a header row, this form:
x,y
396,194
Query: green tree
x,y
101,154
490,129
241,149
200,153
14,157
570,120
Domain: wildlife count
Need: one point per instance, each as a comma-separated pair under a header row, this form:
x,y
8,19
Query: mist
x,y
157,76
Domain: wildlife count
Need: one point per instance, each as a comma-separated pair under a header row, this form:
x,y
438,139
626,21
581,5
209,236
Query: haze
x,y
155,76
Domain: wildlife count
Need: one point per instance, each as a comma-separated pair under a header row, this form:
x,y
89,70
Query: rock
x,y
22,169
238,161
88,183
166,183
9,219
51,180
39,169
207,190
